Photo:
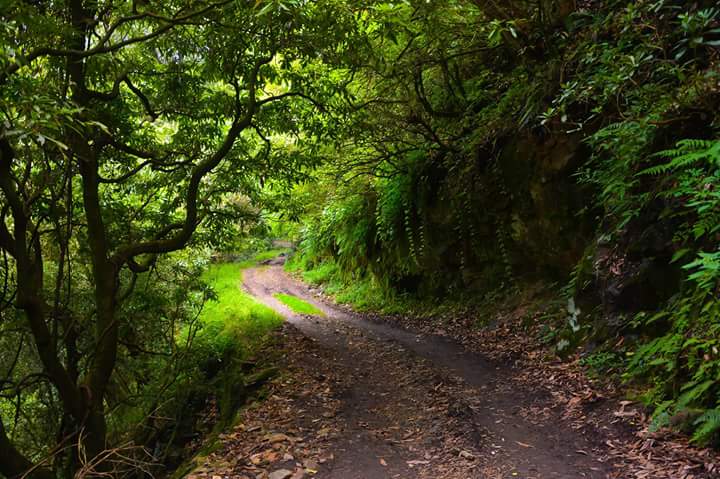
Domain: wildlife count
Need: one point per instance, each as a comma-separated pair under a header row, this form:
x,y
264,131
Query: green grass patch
x,y
298,305
227,358
256,258
366,293
233,321
323,273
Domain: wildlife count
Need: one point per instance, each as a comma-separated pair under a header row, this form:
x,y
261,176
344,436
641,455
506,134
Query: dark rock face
x,y
523,212
548,233
517,212
635,273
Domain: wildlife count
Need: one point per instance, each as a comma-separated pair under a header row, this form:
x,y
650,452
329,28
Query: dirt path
x,y
360,399
403,405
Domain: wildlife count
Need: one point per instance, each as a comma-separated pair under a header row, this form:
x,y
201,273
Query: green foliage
x,y
636,92
130,131
324,272
215,349
213,338
233,323
269,254
361,292
687,153
684,364
691,178
707,426
367,294
604,363
298,305
697,29
619,149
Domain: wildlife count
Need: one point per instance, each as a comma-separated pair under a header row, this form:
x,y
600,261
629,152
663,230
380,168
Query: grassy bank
x,y
229,348
363,294
366,293
234,320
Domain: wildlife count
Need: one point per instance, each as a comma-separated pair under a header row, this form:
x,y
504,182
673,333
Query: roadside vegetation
x,y
225,371
233,324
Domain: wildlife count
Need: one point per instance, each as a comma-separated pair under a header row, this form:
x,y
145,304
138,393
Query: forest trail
x,y
364,400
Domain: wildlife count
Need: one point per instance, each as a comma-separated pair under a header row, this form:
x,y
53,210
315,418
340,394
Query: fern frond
x,y
693,392
685,154
709,425
695,144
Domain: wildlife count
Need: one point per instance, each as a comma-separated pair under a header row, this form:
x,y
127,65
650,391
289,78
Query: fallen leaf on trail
x,y
280,474
382,461
623,413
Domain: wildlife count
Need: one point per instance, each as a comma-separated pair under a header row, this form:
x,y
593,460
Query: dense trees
x,y
124,127
462,145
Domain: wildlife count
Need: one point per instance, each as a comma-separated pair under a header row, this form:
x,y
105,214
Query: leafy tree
x,y
442,85
124,126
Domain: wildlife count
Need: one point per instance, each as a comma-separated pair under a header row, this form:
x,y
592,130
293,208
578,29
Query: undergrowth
x,y
224,364
683,365
362,293
270,254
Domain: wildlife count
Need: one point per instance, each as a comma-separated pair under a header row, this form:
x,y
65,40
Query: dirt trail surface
x,y
364,400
